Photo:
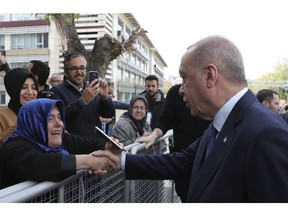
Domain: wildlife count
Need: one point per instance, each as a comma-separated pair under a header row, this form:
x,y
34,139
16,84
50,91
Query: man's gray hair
x,y
223,54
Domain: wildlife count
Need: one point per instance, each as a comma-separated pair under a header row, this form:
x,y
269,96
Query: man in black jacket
x,y
186,129
155,98
84,102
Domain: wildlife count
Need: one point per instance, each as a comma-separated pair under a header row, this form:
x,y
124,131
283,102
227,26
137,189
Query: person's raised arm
x,y
150,139
4,66
90,92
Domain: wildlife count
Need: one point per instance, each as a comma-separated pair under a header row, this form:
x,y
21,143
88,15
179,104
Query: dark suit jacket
x,y
248,162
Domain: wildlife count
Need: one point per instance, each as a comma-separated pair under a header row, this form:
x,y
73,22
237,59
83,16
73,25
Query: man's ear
x,y
265,103
211,74
36,77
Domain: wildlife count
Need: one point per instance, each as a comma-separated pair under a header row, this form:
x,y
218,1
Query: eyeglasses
x,y
139,107
75,69
56,80
111,95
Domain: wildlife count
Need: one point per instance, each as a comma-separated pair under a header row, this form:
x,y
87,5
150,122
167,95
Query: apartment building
x,y
24,37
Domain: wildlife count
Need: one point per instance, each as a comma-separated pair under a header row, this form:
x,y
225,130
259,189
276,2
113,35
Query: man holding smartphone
x,y
84,101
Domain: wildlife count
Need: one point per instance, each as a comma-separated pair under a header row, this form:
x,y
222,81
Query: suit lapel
x,y
200,155
206,172
202,175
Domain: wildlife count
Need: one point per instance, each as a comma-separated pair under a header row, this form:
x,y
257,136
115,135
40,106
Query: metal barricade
x,y
152,191
85,188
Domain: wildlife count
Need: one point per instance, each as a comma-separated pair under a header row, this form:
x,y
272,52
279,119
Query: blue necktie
x,y
212,135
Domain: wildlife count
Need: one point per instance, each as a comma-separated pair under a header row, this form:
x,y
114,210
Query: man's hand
x,y
104,162
114,149
2,59
106,120
103,89
90,92
112,162
150,139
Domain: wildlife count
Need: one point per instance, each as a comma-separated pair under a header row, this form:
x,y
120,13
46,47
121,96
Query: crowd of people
x,y
47,131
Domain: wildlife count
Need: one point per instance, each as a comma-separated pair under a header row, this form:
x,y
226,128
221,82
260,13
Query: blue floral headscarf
x,y
32,122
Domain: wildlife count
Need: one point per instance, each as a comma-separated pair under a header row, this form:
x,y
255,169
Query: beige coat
x,y
8,122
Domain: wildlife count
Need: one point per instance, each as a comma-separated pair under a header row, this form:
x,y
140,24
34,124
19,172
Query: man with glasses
x,y
84,102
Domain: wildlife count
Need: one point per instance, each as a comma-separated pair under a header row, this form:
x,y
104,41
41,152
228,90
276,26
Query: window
x,y
26,16
18,64
127,97
21,16
2,98
29,41
120,25
126,76
2,17
119,73
2,42
132,77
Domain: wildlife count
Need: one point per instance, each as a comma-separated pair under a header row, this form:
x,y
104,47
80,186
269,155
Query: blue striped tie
x,y
212,135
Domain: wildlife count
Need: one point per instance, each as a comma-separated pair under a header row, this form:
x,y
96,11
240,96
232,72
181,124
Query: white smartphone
x,y
108,139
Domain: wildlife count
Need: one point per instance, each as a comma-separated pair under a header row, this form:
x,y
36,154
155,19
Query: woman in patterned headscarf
x,y
35,151
132,124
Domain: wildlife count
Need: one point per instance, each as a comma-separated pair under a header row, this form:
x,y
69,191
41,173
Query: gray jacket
x,y
125,130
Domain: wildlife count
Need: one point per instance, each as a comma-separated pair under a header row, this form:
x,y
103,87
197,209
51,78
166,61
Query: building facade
x,y
25,37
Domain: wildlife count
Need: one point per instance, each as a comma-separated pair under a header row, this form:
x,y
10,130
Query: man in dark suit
x,y
186,130
249,158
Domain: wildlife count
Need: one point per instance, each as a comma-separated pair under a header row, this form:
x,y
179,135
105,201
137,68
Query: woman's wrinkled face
x,y
139,110
28,91
55,128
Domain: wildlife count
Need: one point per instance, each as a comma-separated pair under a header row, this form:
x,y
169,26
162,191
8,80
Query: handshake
x,y
103,161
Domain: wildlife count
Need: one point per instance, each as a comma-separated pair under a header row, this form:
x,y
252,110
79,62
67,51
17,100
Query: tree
x,y
167,85
105,49
280,72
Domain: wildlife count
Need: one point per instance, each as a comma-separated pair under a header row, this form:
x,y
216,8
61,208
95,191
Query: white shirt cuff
x,y
123,160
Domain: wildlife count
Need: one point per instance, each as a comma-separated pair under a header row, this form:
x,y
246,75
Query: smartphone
x,y
108,139
93,75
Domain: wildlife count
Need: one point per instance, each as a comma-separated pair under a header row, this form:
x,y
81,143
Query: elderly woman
x,y
36,150
132,124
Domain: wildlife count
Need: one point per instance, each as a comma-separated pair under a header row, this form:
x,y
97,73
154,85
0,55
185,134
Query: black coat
x,y
155,107
176,116
21,160
81,119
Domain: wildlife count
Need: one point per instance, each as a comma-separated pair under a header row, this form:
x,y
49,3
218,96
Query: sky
x,y
258,28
